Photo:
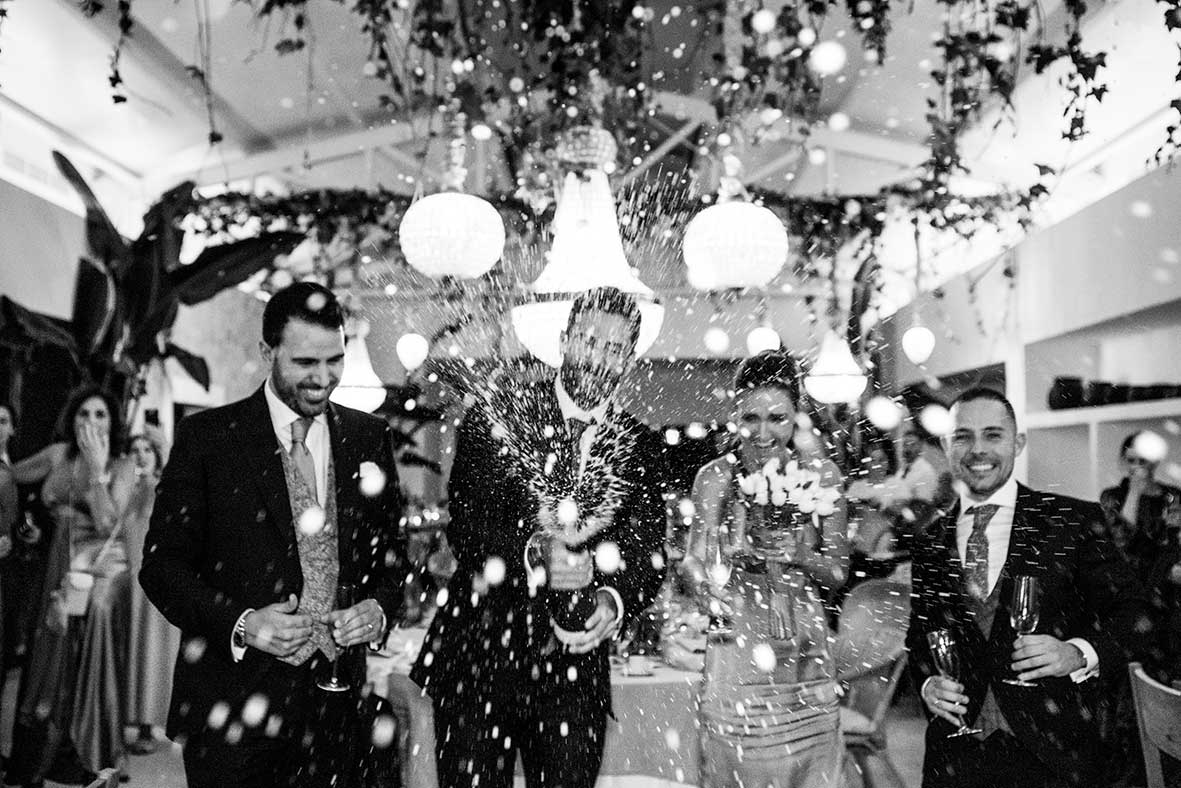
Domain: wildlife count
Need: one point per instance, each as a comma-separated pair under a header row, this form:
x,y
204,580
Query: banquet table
x,y
651,741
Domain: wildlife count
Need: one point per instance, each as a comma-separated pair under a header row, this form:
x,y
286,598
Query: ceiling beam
x,y
660,151
294,155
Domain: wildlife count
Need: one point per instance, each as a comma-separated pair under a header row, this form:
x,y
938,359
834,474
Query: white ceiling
x,y
54,67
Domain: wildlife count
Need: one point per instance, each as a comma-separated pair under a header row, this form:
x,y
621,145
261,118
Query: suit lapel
x,y
346,468
262,448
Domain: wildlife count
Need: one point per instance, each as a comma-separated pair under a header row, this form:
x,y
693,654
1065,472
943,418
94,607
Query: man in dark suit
x,y
1093,618
516,658
266,505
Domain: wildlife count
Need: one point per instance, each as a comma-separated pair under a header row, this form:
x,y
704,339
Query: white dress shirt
x,y
998,532
282,417
593,417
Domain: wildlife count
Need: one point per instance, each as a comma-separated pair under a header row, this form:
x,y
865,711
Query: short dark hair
x,y
769,368
609,300
65,420
310,302
985,393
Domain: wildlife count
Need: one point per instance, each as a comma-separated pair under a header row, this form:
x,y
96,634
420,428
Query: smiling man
x,y
1092,614
258,517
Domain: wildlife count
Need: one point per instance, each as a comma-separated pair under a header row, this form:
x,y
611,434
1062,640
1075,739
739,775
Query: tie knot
x,y
982,515
299,429
576,426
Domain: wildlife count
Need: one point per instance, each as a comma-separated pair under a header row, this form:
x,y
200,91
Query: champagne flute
x,y
1023,614
947,661
335,682
718,572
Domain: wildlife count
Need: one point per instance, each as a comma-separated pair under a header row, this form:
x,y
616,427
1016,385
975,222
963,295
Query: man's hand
x,y
600,626
360,623
5,546
277,629
1039,656
568,571
945,698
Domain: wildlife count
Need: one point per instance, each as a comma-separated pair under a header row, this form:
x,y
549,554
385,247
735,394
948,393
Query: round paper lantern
x,y
918,343
734,245
412,350
452,234
762,338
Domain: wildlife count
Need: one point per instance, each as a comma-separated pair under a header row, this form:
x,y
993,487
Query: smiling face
x,y
766,419
306,365
93,410
983,446
597,349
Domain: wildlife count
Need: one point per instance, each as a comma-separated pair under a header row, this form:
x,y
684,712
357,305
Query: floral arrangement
x,y
794,484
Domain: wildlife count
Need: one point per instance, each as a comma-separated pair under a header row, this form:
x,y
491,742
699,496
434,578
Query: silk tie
x,y
976,552
300,456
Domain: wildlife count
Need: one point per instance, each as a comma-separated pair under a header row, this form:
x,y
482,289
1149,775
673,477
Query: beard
x,y
589,385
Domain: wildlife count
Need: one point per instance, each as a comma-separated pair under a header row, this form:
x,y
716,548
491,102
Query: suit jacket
x,y
222,540
486,646
1087,591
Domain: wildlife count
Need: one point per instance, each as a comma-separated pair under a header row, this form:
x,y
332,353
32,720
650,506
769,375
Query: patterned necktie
x,y
300,456
976,552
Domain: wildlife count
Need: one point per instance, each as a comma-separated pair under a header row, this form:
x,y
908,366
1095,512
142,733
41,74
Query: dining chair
x,y
1158,712
107,778
870,655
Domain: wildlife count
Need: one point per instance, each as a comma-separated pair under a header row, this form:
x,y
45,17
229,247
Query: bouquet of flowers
x,y
794,484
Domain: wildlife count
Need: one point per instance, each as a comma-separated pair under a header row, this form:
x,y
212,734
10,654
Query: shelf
x,y
1101,414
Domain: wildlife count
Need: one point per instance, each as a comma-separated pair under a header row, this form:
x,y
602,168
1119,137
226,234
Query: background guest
x,y
154,642
69,720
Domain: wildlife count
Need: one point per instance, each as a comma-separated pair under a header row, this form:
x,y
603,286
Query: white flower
x,y
779,497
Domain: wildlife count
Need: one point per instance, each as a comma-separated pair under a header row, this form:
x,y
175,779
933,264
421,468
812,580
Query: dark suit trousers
x,y
312,744
557,726
1000,761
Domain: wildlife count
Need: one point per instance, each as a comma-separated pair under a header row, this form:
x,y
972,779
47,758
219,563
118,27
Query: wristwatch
x,y
239,636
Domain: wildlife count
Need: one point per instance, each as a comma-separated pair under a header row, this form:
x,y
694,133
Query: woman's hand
x,y
95,447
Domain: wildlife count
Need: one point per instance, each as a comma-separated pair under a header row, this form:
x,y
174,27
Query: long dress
x,y
154,642
768,705
69,711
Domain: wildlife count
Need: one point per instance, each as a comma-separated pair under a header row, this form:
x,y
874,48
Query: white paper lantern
x,y
762,338
918,343
412,350
835,375
452,234
734,245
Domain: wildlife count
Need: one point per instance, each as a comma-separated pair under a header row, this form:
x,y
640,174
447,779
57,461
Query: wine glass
x,y
335,682
947,661
1023,614
718,571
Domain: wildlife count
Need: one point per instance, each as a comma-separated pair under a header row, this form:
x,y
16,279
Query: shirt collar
x,y
282,416
1005,497
570,410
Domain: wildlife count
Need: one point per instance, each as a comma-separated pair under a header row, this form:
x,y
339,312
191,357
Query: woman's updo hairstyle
x,y
769,369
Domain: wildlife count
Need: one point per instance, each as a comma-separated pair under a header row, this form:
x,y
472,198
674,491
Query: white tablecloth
x,y
651,742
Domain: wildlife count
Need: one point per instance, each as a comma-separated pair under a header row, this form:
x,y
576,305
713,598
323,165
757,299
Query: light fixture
x,y
359,387
586,253
835,375
918,343
452,233
762,338
734,243
412,350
